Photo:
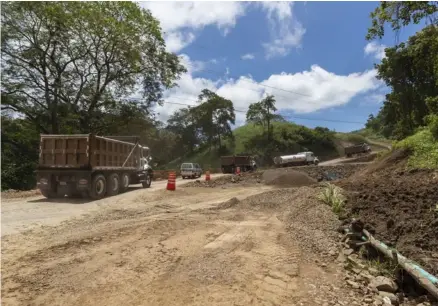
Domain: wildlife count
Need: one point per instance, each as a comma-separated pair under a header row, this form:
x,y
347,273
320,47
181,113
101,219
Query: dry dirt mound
x,y
399,206
249,178
286,178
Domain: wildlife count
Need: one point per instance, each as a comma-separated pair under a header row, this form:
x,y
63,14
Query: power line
x,y
285,116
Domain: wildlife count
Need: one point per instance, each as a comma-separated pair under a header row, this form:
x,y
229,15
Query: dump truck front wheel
x,y
147,181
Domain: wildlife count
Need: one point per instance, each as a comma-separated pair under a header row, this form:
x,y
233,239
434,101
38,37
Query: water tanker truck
x,y
303,158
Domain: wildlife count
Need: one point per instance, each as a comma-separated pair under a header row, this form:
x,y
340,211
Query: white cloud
x,y
322,90
177,17
248,56
376,50
286,30
176,41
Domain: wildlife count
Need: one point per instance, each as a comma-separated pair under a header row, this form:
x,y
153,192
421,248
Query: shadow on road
x,y
75,200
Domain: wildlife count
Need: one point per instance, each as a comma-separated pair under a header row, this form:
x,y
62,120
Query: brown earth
x,y
282,177
399,206
258,248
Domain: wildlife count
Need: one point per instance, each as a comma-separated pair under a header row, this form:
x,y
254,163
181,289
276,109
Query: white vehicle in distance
x,y
190,170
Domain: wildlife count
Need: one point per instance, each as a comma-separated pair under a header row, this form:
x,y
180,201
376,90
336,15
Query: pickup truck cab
x,y
190,170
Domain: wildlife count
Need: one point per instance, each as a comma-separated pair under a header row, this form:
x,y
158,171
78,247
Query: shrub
x,y
332,196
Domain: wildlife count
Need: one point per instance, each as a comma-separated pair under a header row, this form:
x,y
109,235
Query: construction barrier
x,y
171,185
207,175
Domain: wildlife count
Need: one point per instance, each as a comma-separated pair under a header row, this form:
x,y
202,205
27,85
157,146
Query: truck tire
x,y
113,184
147,182
124,182
98,187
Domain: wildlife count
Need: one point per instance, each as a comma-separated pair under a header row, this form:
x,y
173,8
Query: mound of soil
x,y
247,178
399,206
286,178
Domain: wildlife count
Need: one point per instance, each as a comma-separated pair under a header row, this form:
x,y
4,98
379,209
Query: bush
x,y
332,196
423,148
432,121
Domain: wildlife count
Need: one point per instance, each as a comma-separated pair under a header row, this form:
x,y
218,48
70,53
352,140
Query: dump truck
x,y
357,149
88,165
299,159
229,164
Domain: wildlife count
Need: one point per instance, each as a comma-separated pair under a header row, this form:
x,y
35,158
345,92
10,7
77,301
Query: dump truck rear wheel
x,y
113,184
98,187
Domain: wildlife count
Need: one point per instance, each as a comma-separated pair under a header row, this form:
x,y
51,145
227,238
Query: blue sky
x,y
312,56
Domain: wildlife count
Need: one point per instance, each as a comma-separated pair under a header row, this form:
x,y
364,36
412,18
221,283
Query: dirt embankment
x,y
399,206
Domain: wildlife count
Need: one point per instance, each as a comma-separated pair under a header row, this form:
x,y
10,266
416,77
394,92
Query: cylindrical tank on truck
x,y
92,166
303,158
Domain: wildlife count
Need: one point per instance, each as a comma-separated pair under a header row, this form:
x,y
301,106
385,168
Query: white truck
x,y
302,158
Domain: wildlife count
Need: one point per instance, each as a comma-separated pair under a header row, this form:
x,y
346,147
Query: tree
x,y
411,71
182,123
214,116
261,113
69,61
399,14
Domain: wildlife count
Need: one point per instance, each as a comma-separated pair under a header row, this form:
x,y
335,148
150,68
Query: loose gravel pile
x,y
286,178
307,219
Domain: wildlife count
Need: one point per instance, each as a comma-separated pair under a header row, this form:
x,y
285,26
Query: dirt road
x,y
194,246
20,214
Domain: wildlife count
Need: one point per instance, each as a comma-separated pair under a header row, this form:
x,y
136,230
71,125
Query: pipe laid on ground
x,y
424,278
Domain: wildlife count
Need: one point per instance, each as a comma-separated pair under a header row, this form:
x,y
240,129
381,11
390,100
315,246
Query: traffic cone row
x,y
171,181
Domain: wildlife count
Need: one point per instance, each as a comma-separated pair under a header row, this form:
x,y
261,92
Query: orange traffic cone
x,y
171,181
207,175
238,170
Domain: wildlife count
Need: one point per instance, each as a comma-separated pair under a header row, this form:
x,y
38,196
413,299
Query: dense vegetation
x,y
410,70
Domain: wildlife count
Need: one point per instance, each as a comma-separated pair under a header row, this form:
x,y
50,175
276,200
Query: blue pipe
x,y
433,279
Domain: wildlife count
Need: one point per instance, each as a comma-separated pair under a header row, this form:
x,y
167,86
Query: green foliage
x,y
66,63
399,14
261,113
432,122
214,116
332,196
19,141
411,71
352,138
423,147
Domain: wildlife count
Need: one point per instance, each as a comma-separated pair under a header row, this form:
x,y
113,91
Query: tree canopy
x,y
399,14
64,63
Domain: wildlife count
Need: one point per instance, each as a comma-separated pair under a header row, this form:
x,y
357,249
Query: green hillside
x,y
288,138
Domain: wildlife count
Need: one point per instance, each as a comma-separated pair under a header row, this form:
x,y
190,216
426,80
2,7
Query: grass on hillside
x,y
424,149
243,134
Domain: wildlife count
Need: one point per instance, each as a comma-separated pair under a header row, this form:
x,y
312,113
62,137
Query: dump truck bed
x,y
87,151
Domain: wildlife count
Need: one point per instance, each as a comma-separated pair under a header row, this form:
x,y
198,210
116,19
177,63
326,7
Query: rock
x,y
386,301
353,285
368,300
348,252
390,296
382,283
